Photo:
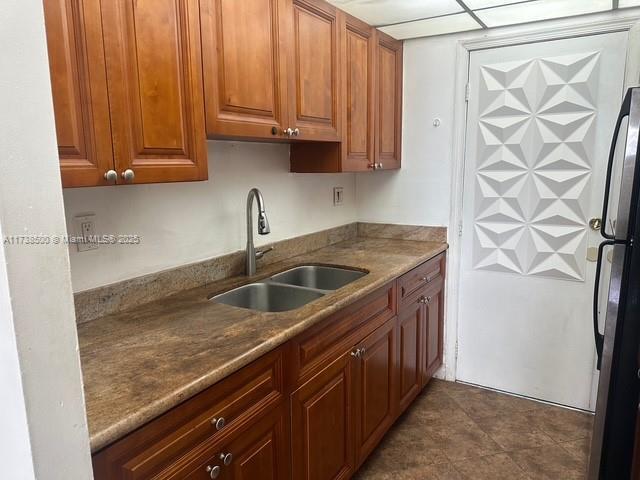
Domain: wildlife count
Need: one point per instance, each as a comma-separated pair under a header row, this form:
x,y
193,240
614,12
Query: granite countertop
x,y
140,363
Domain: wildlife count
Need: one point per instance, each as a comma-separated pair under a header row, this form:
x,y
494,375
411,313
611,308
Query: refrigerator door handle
x,y
597,336
624,112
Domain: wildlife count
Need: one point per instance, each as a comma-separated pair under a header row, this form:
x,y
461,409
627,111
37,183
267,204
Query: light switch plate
x,y
338,195
85,228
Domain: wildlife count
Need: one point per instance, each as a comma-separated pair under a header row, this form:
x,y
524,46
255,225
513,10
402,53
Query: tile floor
x,y
455,432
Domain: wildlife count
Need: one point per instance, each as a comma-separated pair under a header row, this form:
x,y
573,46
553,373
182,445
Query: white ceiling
x,y
423,18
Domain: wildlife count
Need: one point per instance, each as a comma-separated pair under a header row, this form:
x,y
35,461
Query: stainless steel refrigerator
x,y
616,309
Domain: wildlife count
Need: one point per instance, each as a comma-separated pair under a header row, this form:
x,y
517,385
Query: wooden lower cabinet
x,y
434,325
321,424
257,453
374,391
313,409
410,337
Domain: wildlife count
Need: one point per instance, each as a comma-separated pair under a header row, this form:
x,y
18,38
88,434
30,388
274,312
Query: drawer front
x,y
258,451
421,276
179,432
316,347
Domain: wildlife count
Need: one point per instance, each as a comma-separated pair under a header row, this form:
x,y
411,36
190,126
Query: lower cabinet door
x,y
433,331
321,424
375,388
410,333
257,452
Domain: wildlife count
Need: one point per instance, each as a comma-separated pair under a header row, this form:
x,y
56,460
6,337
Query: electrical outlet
x,y
86,231
338,195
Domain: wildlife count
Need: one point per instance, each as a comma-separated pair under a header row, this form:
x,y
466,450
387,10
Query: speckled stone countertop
x,y
140,363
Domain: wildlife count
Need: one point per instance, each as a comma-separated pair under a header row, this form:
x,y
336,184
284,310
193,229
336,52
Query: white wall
x,y
38,340
420,193
186,222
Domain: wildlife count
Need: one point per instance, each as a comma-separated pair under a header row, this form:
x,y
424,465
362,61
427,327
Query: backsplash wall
x,y
185,222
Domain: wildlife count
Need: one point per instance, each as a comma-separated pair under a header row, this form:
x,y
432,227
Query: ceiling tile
x,y
433,26
629,3
385,12
540,10
473,4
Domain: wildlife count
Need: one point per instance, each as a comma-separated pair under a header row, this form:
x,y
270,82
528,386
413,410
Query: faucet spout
x,y
263,228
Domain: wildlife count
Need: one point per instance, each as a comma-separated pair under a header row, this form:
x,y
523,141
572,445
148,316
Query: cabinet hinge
x,y
467,92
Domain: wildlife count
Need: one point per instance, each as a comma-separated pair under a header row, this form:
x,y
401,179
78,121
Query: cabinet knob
x,y
372,166
428,300
111,176
213,471
356,353
363,350
288,132
380,166
218,423
128,175
296,132
421,299
226,458
274,130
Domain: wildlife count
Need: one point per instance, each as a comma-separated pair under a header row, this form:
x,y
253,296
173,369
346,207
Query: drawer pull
x,y
226,458
427,279
213,471
363,350
218,423
421,299
428,299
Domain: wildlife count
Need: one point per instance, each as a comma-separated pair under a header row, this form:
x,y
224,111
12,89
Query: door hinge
x,y
467,92
460,229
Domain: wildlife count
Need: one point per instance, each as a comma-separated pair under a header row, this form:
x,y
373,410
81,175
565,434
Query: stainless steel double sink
x,y
290,289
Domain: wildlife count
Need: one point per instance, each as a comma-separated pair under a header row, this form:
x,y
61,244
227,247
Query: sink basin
x,y
268,297
318,277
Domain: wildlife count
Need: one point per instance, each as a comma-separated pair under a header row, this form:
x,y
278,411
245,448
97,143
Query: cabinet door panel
x,y
321,425
434,324
375,383
360,105
389,101
315,79
155,88
410,325
79,88
244,67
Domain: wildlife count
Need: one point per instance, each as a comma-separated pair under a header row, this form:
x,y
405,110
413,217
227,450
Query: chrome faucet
x,y
263,229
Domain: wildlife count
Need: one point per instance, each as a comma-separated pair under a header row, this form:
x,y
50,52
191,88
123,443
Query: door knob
x,y
111,176
595,223
128,175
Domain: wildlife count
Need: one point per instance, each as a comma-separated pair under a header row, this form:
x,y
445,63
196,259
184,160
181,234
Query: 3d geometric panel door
x,y
540,118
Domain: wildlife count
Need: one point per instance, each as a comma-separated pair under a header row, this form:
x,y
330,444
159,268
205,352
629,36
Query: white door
x,y
540,120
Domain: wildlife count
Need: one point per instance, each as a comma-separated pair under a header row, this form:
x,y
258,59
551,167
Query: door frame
x,y
463,51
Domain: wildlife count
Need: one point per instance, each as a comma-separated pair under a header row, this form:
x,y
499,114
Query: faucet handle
x,y
261,253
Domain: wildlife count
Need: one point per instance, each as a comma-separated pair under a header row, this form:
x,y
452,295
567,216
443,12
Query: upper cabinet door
x,y
314,89
389,102
154,72
79,87
359,133
245,76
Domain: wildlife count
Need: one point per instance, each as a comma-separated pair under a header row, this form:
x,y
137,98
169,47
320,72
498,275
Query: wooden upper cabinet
x,y
359,132
388,102
245,75
315,100
79,87
154,72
